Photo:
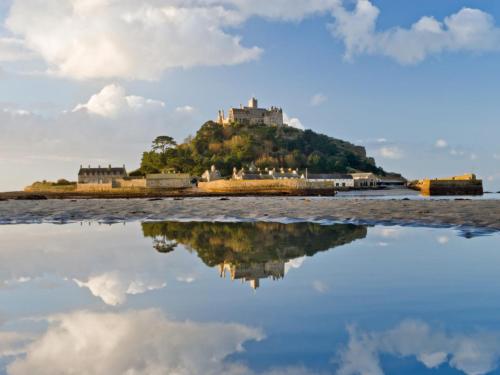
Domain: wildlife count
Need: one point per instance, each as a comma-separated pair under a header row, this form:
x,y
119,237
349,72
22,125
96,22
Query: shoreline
x,y
462,214
184,193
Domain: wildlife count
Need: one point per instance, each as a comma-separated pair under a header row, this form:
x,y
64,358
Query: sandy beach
x,y
480,214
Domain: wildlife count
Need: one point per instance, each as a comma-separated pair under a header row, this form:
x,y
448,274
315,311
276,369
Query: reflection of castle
x,y
253,272
251,251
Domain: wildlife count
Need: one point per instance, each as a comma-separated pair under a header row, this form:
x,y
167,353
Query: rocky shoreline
x,y
481,214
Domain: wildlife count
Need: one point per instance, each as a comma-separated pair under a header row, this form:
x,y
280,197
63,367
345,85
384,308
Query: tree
x,y
162,143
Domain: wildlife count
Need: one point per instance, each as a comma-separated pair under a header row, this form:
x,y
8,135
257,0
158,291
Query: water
x,y
397,193
247,298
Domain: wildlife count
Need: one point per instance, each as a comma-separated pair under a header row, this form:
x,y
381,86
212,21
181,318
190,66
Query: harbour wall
x,y
266,186
451,187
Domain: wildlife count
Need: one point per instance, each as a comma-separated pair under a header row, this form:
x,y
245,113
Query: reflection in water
x,y
251,251
147,342
472,354
132,342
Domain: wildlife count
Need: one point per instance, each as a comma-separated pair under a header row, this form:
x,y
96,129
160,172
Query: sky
x,y
93,82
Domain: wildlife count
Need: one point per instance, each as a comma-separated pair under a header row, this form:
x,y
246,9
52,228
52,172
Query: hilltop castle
x,y
252,114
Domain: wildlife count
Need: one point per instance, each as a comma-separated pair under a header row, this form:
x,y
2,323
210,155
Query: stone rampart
x,y
263,186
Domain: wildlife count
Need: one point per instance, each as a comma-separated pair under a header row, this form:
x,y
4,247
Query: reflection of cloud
x,y
319,286
76,255
135,342
112,287
443,240
186,279
441,143
294,263
477,353
386,232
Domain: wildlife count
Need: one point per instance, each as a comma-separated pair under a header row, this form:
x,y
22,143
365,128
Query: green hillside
x,y
239,145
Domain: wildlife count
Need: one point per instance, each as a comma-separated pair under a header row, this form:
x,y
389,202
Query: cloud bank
x,y
88,39
111,127
468,30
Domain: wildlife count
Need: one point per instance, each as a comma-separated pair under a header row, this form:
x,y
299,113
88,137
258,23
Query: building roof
x,y
285,175
328,176
101,170
255,176
364,175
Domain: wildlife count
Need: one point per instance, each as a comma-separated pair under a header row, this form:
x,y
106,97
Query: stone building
x,y
252,114
100,175
284,174
365,180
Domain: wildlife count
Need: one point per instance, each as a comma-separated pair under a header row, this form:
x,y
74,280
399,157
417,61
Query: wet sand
x,y
483,214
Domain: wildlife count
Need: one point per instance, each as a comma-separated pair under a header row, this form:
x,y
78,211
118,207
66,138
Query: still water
x,y
247,299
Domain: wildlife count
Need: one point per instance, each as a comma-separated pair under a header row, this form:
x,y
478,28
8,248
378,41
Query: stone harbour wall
x,y
257,186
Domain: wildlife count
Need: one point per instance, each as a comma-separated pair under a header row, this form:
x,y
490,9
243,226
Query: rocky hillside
x,y
240,145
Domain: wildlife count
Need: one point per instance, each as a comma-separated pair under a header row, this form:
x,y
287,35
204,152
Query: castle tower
x,y
253,103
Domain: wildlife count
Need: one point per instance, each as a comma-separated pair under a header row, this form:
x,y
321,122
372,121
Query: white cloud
x,y
496,156
185,109
12,49
468,30
318,99
391,152
472,354
50,147
136,40
112,101
113,287
85,39
293,122
455,152
441,143
12,343
134,342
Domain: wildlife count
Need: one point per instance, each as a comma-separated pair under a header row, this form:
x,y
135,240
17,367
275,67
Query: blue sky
x,y
424,103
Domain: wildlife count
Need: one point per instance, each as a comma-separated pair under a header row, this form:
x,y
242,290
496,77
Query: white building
x,y
338,179
365,180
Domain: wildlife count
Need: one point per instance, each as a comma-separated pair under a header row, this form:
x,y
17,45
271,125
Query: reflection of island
x,y
251,251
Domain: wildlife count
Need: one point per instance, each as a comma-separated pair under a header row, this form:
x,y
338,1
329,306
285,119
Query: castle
x,y
252,114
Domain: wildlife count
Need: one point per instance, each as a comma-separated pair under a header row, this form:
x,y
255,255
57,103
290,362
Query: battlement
x,y
252,114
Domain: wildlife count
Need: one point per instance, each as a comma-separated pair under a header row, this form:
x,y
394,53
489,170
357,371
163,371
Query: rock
x,y
31,197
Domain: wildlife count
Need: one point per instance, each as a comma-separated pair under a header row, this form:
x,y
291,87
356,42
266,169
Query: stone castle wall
x,y
259,186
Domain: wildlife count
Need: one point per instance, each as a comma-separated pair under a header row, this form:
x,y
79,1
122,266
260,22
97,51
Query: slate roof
x,y
102,171
329,176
